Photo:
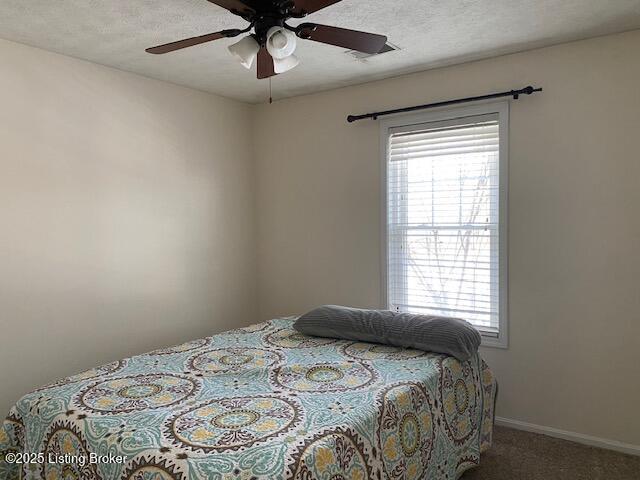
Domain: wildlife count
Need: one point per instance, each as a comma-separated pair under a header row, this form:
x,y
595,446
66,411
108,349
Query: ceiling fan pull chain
x,y
270,92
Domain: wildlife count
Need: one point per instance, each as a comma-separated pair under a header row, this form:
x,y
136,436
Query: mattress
x,y
261,402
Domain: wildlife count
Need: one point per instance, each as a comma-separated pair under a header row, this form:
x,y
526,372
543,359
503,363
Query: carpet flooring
x,y
517,455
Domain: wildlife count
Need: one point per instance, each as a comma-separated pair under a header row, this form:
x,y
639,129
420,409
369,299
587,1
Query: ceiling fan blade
x,y
342,37
234,6
190,42
265,64
310,6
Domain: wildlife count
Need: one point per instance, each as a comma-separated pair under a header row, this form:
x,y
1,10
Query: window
x,y
445,205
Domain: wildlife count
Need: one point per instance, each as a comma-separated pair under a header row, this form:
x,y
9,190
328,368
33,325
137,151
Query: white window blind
x,y
443,225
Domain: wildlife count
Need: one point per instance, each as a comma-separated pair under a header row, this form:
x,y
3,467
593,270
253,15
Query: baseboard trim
x,y
627,448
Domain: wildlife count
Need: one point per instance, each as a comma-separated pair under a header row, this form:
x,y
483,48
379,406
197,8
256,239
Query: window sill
x,y
494,341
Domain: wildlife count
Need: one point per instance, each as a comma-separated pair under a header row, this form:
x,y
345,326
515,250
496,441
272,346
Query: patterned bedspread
x,y
262,402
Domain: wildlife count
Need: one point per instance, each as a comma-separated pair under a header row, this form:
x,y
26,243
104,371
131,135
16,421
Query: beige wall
x,y
126,216
574,220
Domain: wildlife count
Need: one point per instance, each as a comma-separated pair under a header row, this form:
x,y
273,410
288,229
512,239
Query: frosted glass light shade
x,y
246,50
281,65
281,43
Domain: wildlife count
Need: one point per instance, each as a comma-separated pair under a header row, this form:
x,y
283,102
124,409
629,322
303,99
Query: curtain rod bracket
x,y
511,93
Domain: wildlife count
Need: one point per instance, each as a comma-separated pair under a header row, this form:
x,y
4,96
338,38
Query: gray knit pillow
x,y
452,336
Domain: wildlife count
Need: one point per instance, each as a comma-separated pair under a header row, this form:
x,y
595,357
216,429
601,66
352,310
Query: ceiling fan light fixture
x,y
246,50
281,65
281,43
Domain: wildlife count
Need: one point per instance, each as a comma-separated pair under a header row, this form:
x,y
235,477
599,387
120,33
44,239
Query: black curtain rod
x,y
511,93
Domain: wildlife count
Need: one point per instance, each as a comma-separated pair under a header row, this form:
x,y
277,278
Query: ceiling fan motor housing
x,y
265,23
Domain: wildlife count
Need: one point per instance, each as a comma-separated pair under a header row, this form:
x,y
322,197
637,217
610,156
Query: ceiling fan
x,y
273,41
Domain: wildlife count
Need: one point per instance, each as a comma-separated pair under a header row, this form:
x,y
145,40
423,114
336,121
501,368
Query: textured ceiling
x,y
429,32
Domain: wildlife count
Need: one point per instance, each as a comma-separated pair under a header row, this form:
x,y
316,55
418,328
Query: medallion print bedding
x,y
261,402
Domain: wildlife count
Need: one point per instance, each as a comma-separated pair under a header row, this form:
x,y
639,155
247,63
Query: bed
x,y
261,402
